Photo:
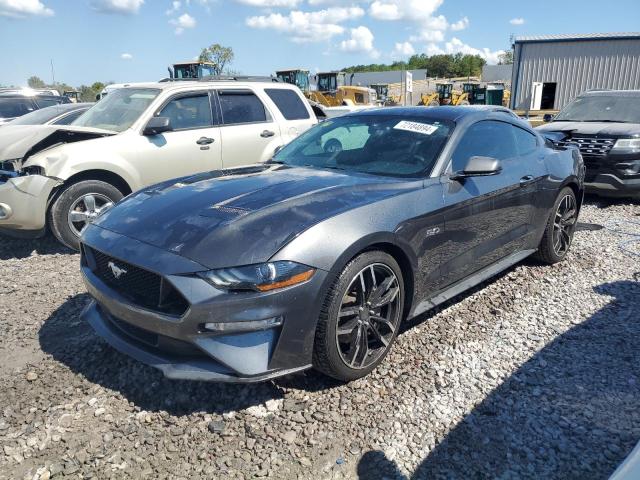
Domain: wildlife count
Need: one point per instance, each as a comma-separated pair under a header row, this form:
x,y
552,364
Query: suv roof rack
x,y
226,78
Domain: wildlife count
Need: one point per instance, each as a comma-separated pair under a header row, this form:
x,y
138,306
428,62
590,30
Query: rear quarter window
x,y
526,142
289,103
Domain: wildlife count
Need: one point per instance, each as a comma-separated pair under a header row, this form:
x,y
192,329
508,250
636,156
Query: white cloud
x,y
126,56
457,46
517,21
175,7
183,22
307,26
361,41
460,24
270,3
24,8
403,49
123,7
416,10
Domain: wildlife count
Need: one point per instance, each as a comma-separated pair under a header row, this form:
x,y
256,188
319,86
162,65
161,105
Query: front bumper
x,y
23,204
610,185
177,345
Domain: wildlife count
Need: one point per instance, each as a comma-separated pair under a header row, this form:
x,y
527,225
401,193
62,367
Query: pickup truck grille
x,y
143,288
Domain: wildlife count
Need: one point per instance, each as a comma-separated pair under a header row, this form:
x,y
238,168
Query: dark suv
x,y
14,105
605,125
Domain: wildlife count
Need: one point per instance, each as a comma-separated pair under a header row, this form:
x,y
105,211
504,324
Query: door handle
x,y
526,180
205,141
267,134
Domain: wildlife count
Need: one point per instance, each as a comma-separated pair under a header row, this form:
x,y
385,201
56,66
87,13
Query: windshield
x,y
40,117
327,83
15,107
376,144
602,108
118,110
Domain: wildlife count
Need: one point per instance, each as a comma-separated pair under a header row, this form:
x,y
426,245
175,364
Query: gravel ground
x,y
536,374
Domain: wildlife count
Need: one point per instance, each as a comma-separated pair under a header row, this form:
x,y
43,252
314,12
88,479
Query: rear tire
x,y
561,225
75,199
371,286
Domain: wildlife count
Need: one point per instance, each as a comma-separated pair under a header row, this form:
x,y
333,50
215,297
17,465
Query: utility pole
x,y
53,76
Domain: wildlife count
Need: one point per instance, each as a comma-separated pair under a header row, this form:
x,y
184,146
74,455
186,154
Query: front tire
x,y
360,317
76,206
561,225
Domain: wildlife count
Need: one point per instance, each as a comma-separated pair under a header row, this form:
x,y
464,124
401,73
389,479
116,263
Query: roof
x,y
187,84
611,93
437,113
578,37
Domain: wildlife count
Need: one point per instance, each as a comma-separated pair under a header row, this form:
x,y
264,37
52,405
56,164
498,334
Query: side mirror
x,y
157,125
479,167
547,118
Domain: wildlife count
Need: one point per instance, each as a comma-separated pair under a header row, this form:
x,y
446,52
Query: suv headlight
x,y
627,145
262,277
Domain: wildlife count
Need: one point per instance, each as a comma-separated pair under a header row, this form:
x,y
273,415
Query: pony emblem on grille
x,y
116,270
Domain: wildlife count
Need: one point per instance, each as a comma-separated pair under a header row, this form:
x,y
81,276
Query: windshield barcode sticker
x,y
423,128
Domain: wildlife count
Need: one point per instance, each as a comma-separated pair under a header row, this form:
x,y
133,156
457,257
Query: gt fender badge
x,y
432,231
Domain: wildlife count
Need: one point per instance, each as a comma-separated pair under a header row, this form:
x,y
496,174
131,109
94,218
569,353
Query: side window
x,y
68,119
241,106
487,138
48,102
188,112
526,142
289,103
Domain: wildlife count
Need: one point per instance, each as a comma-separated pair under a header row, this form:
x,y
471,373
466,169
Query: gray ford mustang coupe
x,y
315,258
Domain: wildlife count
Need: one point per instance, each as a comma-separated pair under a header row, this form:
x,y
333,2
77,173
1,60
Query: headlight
x,y
627,145
262,277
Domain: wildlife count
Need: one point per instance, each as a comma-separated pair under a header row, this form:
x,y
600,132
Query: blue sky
x,y
134,40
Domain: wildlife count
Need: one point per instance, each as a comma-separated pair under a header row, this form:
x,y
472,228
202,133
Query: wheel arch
x,y
388,243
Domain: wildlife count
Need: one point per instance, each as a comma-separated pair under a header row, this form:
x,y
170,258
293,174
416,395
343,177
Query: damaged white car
x,y
62,177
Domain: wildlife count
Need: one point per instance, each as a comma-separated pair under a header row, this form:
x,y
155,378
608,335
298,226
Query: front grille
x,y
593,150
590,146
142,287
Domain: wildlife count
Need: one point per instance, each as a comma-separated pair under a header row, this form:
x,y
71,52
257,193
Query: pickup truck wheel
x,y
76,206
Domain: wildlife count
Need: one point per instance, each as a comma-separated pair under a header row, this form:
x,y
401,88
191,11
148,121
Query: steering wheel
x,y
333,145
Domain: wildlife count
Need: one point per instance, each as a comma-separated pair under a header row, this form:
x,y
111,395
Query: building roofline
x,y
578,37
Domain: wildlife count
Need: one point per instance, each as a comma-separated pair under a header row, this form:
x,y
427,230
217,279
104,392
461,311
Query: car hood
x,y
603,129
242,216
21,141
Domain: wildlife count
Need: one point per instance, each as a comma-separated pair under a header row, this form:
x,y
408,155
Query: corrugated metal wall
x,y
575,66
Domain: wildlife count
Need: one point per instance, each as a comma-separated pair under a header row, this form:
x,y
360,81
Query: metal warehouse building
x,y
549,71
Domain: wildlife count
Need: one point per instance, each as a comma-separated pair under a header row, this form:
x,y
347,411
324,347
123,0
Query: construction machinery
x,y
476,93
448,96
192,70
444,95
430,99
297,76
73,95
332,91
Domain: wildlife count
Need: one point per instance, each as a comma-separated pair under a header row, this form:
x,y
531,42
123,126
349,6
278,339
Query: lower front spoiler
x,y
173,367
608,185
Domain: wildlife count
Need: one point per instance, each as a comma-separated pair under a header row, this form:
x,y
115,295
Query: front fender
x,y
65,161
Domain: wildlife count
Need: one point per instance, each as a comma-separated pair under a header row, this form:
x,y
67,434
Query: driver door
x,y
486,217
192,146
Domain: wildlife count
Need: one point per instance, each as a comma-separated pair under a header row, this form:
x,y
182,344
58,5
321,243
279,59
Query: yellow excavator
x,y
296,76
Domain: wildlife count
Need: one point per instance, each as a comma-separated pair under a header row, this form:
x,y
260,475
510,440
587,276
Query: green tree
x,y
36,82
97,86
506,58
218,55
